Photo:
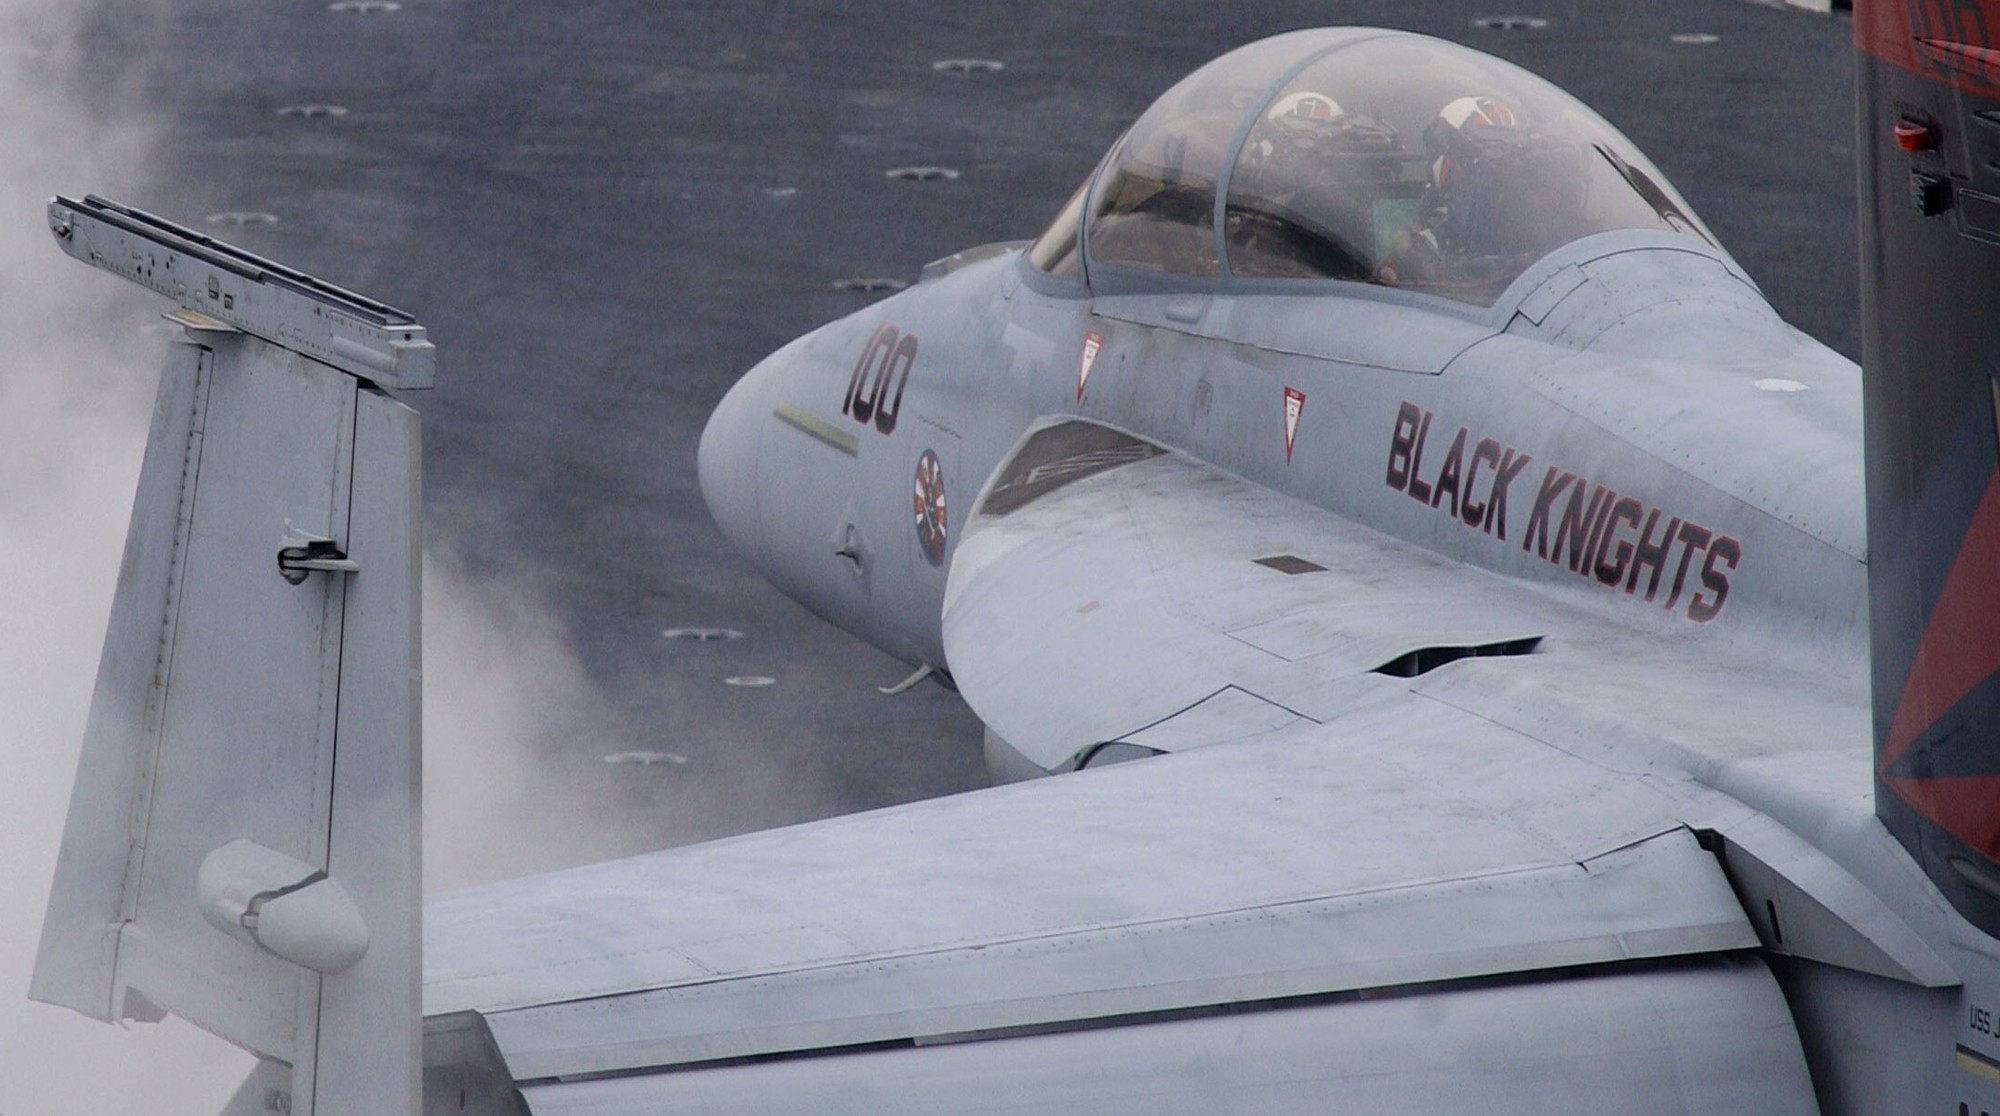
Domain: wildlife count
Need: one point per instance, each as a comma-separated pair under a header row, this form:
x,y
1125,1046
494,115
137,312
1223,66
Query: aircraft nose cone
x,y
727,465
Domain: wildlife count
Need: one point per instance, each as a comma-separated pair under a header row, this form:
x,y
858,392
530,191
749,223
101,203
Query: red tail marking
x,y
1944,40
1961,643
1981,62
1967,806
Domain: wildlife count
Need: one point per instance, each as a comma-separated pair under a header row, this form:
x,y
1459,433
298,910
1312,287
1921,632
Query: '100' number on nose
x,y
887,357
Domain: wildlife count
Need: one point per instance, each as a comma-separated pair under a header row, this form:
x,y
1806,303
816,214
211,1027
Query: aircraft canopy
x,y
1361,155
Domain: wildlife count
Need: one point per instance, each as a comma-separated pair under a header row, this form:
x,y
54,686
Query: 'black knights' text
x,y
1589,529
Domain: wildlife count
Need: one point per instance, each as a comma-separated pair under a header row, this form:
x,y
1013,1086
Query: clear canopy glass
x,y
1367,156
1154,208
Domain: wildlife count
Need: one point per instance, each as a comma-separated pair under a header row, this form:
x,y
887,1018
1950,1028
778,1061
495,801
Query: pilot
x,y
1306,182
1306,138
1501,193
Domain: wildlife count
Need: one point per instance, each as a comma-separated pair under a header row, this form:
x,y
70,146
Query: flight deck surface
x,y
607,212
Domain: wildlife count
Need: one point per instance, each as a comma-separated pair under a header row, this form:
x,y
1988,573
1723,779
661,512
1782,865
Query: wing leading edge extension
x,y
1107,590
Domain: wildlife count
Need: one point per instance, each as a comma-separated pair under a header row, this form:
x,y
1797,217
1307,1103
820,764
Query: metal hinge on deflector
x,y
302,554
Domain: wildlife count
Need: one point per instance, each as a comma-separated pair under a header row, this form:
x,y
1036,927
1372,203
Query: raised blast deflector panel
x,y
370,1021
88,905
174,764
243,706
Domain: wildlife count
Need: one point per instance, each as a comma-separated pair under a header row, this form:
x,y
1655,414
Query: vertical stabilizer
x,y
242,843
1929,81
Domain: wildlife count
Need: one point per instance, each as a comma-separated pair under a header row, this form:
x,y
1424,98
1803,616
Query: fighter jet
x,y
1418,592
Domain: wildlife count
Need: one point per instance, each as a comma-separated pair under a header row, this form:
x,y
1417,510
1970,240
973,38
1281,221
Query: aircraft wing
x,y
1346,849
1410,846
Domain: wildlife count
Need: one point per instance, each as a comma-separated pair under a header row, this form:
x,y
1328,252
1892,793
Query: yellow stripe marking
x,y
815,427
195,319
1978,1065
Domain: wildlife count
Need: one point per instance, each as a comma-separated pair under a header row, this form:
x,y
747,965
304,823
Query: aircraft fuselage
x,y
1653,438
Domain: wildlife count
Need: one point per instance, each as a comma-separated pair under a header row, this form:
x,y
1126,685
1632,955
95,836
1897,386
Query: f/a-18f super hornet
x,y
1437,581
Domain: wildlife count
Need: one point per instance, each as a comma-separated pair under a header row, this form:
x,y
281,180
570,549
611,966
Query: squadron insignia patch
x,y
930,510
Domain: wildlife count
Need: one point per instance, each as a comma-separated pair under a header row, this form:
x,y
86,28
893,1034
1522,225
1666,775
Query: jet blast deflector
x,y
242,847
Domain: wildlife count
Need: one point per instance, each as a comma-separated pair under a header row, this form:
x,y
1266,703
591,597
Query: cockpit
x,y
1362,156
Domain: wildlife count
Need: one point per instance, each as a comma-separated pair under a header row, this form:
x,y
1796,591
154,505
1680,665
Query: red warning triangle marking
x,y
1091,344
1295,402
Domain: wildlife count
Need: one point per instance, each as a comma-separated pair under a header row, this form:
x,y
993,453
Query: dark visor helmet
x,y
1461,129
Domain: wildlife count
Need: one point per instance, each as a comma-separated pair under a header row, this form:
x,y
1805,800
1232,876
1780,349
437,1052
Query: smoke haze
x,y
502,691
78,368
76,382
